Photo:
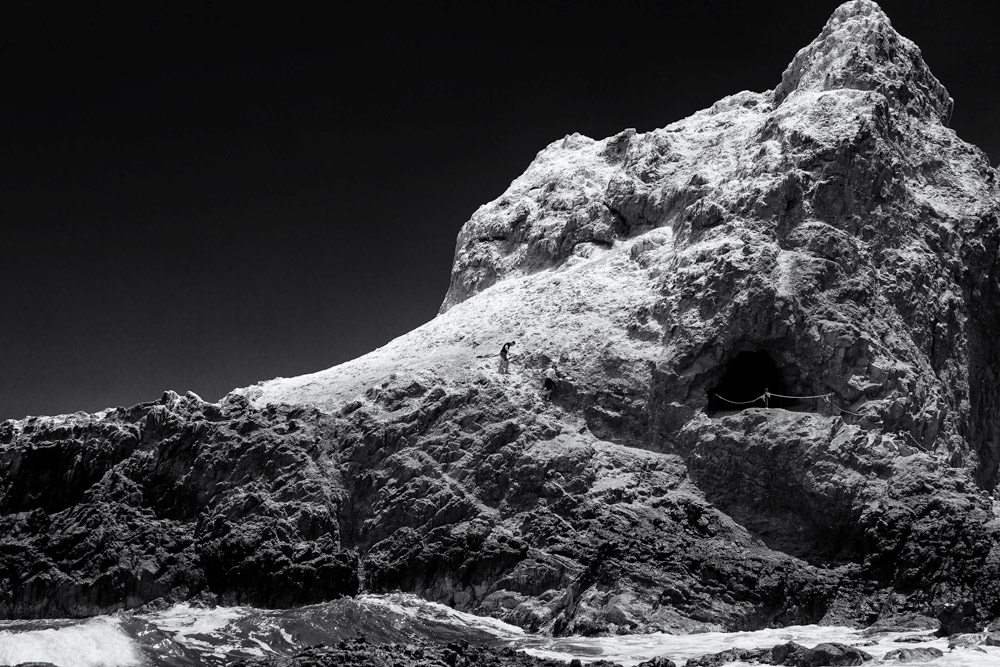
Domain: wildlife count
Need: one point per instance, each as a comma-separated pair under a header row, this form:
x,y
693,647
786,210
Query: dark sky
x,y
203,198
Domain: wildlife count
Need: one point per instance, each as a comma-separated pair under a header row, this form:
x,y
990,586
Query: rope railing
x,y
769,393
840,408
827,397
766,396
723,398
918,445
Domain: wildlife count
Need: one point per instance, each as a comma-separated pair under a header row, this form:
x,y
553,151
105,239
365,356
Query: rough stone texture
x,y
831,654
658,662
831,238
786,654
909,655
966,640
362,653
746,655
903,623
168,499
859,49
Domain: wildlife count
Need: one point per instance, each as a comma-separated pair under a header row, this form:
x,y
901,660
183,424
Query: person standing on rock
x,y
504,361
549,383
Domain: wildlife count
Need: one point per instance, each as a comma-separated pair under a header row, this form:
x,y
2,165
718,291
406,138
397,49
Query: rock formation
x,y
830,246
362,653
168,499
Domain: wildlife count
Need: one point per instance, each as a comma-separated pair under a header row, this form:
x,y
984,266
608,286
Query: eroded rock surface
x,y
913,655
830,245
362,653
168,499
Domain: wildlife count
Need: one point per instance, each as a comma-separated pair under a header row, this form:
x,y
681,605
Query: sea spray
x,y
97,642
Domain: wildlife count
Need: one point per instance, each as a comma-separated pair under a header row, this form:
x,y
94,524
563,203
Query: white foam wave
x,y
184,621
207,633
630,650
98,642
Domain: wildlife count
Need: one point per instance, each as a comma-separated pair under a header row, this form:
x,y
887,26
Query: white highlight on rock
x,y
418,608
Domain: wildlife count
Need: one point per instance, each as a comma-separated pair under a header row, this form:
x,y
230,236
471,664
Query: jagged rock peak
x,y
858,48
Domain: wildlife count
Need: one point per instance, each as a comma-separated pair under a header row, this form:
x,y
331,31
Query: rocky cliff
x,y
773,326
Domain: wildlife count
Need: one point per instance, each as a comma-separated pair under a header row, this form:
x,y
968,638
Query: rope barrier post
x,y
767,395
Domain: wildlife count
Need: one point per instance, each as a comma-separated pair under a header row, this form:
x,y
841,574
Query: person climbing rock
x,y
504,361
549,383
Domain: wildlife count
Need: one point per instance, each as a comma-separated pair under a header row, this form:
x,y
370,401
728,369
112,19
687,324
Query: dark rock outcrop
x,y
168,499
751,655
910,655
791,654
362,653
774,327
831,654
658,662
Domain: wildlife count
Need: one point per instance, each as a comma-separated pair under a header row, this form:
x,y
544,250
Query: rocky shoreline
x,y
362,653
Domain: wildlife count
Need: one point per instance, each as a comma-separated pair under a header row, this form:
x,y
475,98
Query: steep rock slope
x,y
830,244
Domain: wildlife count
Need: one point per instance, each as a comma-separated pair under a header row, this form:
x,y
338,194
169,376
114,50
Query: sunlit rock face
x,y
773,326
834,223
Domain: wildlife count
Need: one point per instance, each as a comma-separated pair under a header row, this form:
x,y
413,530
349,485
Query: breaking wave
x,y
98,642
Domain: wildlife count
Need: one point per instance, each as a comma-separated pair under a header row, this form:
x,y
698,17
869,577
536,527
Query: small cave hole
x,y
748,375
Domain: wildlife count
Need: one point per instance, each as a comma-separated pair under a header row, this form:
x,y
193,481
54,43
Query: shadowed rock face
x,y
830,242
168,499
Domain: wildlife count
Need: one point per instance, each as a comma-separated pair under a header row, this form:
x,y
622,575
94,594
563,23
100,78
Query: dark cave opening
x,y
748,375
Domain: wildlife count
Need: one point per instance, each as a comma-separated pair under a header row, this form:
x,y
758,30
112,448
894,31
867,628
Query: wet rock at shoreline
x,y
922,654
786,654
830,654
658,662
360,653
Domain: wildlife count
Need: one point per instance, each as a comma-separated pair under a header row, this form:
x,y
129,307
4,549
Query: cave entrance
x,y
747,376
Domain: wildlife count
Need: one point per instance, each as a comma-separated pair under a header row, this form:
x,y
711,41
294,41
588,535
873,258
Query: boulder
x,y
909,655
831,654
657,662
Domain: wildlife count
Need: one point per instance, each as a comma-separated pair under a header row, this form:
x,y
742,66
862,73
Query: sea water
x,y
187,635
